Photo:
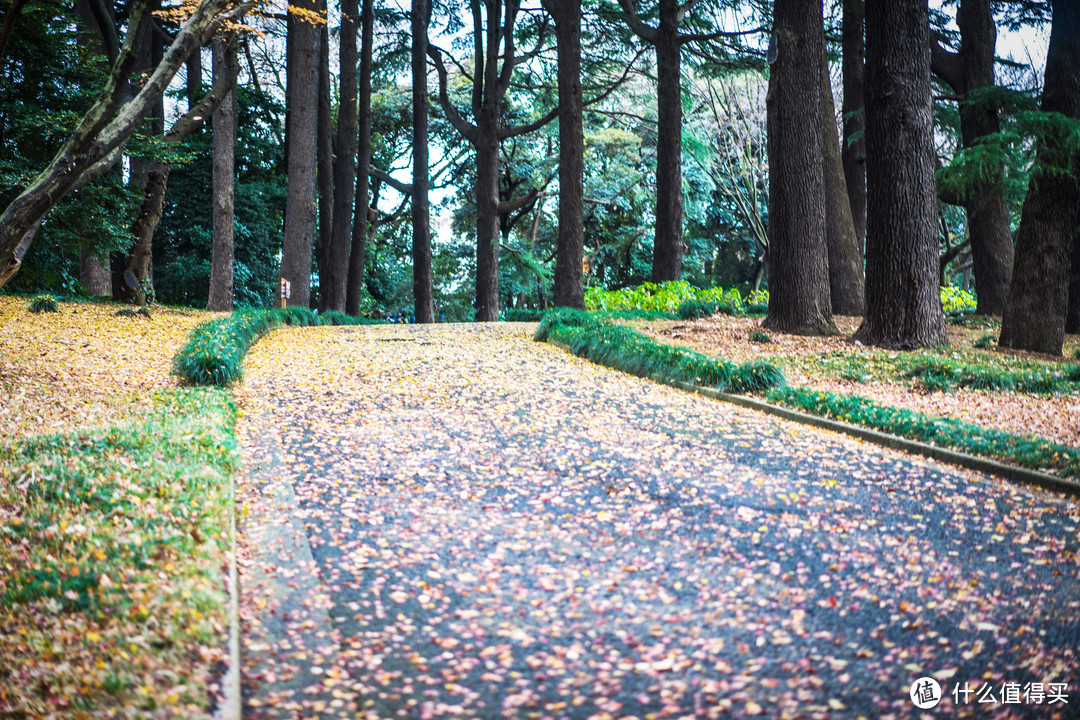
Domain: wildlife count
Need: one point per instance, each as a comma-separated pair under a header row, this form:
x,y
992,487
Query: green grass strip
x,y
938,373
1025,451
112,552
593,336
214,353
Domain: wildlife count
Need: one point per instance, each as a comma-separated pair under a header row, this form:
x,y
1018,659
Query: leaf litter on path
x,y
498,529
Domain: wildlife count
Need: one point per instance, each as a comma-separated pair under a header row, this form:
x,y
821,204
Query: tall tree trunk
x,y
1072,315
903,304
487,217
423,300
333,287
363,164
93,275
1038,298
194,79
667,242
853,148
799,299
987,212
845,255
302,144
325,171
569,289
226,62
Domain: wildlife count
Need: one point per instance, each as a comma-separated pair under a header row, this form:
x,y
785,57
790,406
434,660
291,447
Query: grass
x,y
948,370
595,337
1025,451
113,542
43,304
214,353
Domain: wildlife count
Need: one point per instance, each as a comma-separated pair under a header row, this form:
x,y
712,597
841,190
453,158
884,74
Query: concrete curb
x,y
230,707
1012,473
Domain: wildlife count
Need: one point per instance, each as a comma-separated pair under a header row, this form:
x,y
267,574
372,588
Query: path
x,y
456,521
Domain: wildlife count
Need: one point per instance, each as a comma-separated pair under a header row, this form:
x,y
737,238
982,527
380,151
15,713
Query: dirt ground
x,y
1053,417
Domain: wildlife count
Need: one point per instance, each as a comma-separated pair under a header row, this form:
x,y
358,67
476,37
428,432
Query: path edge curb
x,y
230,707
988,466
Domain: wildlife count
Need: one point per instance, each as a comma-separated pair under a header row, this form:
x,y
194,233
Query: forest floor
x,y
457,521
839,365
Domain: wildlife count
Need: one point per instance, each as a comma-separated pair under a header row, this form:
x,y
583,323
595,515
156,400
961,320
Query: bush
x,y
523,315
214,353
760,336
43,304
693,309
955,301
985,341
596,338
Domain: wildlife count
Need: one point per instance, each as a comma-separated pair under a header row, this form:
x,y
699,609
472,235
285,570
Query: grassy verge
x,y
214,353
596,338
1024,451
113,546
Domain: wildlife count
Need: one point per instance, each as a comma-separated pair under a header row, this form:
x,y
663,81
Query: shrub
x,y
523,315
759,336
43,304
955,301
985,341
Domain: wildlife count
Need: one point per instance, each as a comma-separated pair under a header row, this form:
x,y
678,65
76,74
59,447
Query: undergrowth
x,y
43,304
1026,451
113,542
595,337
214,353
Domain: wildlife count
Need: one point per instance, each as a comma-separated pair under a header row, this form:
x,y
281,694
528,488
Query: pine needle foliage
x,y
1024,450
593,336
214,353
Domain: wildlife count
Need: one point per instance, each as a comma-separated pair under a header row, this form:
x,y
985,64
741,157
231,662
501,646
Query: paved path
x,y
456,521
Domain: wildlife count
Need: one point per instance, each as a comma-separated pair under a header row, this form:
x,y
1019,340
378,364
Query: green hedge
x,y
596,338
214,353
1025,451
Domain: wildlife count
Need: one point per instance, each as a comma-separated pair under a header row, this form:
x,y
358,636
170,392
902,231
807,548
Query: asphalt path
x,y
457,521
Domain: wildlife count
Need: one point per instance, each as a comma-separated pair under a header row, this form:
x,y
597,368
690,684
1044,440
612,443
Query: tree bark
x,y
302,98
423,300
325,174
226,63
845,255
194,79
1039,295
799,299
333,286
1072,314
967,72
667,242
853,147
96,144
569,289
487,216
363,163
903,304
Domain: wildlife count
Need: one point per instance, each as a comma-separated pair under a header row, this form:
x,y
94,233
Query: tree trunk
x,y
853,148
302,142
903,304
1039,296
987,212
94,276
423,302
569,289
845,256
333,286
799,299
325,171
667,242
487,217
1072,315
226,62
194,79
363,163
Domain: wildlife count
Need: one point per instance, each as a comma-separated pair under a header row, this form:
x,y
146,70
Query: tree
x,y
569,289
224,127
968,72
1036,313
853,147
490,82
846,289
799,300
324,172
903,304
301,138
357,252
423,302
98,141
